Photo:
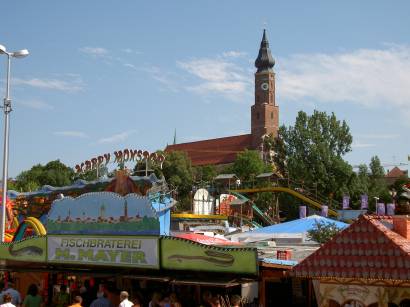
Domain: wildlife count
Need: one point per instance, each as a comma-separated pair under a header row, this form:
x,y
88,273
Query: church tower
x,y
265,112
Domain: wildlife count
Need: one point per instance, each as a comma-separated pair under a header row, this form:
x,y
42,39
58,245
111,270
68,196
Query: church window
x,y
257,115
257,98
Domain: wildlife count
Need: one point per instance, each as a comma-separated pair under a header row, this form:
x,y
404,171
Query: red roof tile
x,y
368,248
214,151
396,173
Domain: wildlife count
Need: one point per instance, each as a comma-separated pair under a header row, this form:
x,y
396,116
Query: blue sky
x,y
109,75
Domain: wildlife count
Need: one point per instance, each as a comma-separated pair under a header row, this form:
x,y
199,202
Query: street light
x,y
376,199
7,109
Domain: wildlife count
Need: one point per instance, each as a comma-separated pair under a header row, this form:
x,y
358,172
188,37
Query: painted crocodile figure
x,y
217,258
25,251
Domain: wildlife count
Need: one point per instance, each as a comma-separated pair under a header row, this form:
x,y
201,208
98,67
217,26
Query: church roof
x,y
214,151
367,249
395,173
264,61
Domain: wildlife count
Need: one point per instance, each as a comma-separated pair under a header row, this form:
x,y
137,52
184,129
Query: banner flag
x,y
364,200
380,209
324,211
302,212
390,209
346,200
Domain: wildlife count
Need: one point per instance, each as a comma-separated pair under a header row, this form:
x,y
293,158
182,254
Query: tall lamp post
x,y
376,199
7,109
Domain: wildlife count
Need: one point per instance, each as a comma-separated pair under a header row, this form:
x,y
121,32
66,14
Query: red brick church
x,y
264,119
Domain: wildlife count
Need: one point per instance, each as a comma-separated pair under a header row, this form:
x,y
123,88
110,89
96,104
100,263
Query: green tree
x,y
377,183
248,164
358,185
54,173
204,173
274,153
401,196
141,166
314,147
178,173
323,232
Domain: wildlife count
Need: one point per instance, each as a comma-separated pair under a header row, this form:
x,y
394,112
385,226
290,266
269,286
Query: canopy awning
x,y
225,177
205,239
224,283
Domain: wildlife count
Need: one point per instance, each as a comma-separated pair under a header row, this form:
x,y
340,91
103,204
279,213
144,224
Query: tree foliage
x,y
177,170
54,173
400,189
275,153
313,148
369,180
248,164
204,173
323,232
377,184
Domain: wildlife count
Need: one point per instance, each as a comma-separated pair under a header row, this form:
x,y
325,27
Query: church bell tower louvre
x,y
264,112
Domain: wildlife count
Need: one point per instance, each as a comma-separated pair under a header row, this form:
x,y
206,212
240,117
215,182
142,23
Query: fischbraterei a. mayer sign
x,y
126,251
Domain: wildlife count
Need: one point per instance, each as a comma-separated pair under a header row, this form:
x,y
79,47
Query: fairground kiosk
x,y
120,236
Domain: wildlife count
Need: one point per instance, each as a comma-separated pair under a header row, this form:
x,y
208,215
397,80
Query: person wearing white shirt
x,y
7,301
124,300
15,295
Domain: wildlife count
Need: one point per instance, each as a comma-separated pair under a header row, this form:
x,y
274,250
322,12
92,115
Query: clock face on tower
x,y
265,86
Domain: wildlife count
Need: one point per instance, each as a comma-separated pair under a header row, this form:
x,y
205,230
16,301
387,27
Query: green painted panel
x,y
31,249
180,254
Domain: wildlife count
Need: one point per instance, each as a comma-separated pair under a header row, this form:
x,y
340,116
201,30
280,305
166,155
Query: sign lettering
x,y
126,155
132,251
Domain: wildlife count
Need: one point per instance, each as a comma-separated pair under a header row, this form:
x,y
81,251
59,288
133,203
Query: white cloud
x,y
367,77
129,51
116,138
234,54
35,104
171,81
380,136
129,65
362,145
75,134
218,76
94,51
52,84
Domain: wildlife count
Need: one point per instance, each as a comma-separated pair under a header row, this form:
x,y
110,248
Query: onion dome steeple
x,y
264,61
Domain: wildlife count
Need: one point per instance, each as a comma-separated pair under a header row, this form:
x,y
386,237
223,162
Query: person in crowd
x,y
137,302
206,299
235,301
33,299
165,302
174,300
155,300
77,301
62,298
124,300
215,302
112,294
101,300
1,291
7,301
87,294
15,295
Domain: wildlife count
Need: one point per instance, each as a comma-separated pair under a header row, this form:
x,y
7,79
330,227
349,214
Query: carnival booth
x,y
367,264
120,237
